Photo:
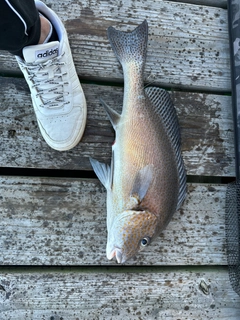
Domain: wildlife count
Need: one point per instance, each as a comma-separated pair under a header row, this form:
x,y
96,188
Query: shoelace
x,y
47,78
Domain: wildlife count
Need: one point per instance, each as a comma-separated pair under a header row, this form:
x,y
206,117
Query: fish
x,y
146,180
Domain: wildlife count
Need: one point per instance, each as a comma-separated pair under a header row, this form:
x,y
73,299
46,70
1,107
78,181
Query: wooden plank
x,y
63,222
188,44
159,294
205,120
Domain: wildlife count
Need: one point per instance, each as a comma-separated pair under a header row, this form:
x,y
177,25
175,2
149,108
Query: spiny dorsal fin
x,y
114,117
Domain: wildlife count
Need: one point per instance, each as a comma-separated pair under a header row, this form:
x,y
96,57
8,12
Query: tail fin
x,y
129,46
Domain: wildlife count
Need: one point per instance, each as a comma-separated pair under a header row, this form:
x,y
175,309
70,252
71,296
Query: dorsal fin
x,y
113,116
163,106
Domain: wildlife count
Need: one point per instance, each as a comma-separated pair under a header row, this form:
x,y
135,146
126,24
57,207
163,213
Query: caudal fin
x,y
129,46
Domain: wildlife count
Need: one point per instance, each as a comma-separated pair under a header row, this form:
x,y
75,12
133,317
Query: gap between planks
x,y
21,269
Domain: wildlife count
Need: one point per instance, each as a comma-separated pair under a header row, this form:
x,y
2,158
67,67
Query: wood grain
x,y
130,294
205,121
187,47
55,221
60,223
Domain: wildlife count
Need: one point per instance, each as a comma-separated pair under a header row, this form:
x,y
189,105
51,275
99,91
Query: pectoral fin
x,y
114,117
103,172
141,184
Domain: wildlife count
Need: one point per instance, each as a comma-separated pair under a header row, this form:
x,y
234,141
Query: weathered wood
x,y
188,44
205,120
63,222
158,294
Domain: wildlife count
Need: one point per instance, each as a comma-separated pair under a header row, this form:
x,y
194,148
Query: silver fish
x,y
146,182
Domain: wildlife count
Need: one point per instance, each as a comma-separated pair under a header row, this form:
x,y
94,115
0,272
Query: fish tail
x,y
130,46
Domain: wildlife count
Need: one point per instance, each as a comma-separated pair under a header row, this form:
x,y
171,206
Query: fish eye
x,y
145,241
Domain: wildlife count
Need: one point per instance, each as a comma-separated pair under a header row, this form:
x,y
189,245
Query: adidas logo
x,y
45,54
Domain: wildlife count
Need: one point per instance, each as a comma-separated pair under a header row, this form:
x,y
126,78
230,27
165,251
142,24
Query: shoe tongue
x,y
41,52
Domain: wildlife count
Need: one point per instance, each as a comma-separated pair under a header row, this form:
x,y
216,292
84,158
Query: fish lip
x,y
116,252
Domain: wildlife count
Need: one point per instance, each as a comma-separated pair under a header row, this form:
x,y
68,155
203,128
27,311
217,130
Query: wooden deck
x,y
53,212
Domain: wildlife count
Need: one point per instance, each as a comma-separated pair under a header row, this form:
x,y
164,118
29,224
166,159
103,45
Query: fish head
x,y
130,233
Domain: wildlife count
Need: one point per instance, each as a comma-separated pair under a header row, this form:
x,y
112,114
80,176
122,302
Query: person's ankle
x,y
45,29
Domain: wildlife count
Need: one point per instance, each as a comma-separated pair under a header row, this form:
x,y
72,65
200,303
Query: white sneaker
x,y
58,99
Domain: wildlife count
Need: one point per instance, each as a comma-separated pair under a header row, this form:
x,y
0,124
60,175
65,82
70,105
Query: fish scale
x,y
146,182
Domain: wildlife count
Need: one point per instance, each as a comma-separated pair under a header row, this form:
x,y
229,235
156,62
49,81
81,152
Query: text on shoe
x,y
46,53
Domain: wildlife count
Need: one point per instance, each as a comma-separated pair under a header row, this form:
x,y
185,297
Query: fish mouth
x,y
116,252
